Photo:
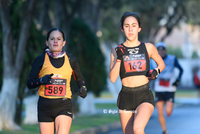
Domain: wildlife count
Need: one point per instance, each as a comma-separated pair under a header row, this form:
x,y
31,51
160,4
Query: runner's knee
x,y
169,112
138,130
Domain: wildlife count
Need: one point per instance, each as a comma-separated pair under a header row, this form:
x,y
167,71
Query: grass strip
x,y
82,122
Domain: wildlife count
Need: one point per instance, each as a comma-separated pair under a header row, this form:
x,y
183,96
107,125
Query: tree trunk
x,y
58,13
90,13
67,18
44,19
8,103
12,66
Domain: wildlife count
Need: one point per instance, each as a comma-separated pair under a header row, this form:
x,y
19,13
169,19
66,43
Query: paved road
x,y
184,120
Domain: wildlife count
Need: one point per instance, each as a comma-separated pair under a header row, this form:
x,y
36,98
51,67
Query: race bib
x,y
134,63
163,82
56,88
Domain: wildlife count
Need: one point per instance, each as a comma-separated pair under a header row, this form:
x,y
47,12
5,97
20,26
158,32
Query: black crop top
x,y
135,61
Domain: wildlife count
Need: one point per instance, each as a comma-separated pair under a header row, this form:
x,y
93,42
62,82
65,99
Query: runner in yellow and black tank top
x,y
62,68
60,82
51,72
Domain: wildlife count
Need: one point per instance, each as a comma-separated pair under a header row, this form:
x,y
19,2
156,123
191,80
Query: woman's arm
x,y
78,77
176,64
114,66
33,80
153,53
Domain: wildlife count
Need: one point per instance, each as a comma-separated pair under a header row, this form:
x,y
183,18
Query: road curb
x,y
99,129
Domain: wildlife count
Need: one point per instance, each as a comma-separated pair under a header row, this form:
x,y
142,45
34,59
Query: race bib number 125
x,y
57,88
134,63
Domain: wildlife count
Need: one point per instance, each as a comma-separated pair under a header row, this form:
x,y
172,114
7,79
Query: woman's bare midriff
x,y
135,81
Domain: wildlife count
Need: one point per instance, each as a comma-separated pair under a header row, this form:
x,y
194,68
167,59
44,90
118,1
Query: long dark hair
x,y
127,14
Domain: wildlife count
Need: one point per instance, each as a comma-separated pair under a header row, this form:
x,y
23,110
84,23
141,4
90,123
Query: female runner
x,y
51,72
130,60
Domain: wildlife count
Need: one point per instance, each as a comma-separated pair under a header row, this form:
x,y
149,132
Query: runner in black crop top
x,y
135,61
130,60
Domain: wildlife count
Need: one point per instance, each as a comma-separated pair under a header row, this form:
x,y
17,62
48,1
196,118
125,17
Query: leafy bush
x,y
84,45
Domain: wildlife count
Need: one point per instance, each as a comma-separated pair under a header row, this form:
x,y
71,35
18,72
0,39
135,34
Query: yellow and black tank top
x,y
62,68
60,83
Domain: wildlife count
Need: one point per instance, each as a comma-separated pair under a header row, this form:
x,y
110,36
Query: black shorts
x,y
164,96
198,87
130,98
49,109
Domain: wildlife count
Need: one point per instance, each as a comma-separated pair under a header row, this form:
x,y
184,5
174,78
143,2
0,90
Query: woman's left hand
x,y
82,92
153,74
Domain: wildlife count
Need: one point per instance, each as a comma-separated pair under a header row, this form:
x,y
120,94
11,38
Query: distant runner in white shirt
x,y
165,84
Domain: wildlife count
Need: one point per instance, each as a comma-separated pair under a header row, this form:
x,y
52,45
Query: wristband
x,y
158,70
84,88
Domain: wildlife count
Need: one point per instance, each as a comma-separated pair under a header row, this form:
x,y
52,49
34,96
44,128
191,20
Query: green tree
x,y
192,8
151,12
84,45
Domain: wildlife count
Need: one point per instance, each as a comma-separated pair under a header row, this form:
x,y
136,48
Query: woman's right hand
x,y
46,79
120,52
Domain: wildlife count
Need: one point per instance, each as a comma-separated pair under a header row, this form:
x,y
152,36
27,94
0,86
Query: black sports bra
x,y
135,61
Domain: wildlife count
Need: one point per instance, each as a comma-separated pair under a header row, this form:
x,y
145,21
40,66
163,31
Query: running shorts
x,y
49,109
198,87
130,98
164,96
